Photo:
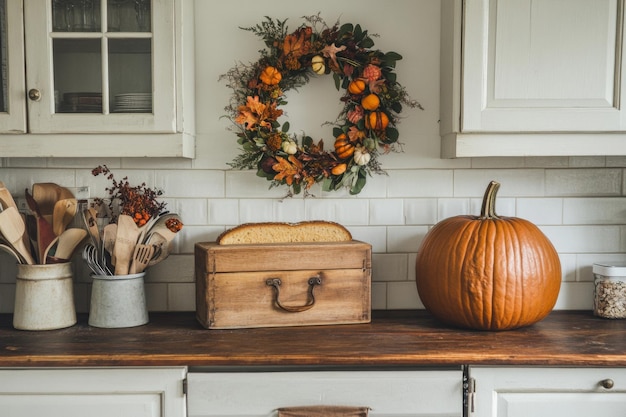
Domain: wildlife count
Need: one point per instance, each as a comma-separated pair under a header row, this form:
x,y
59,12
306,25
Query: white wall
x,y
578,202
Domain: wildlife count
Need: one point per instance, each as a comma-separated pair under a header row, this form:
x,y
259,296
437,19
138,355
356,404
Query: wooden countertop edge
x,y
446,360
393,339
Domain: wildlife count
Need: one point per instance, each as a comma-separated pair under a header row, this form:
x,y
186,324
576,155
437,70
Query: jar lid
x,y
610,270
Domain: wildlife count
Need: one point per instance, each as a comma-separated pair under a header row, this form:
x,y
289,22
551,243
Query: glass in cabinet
x,y
12,106
96,67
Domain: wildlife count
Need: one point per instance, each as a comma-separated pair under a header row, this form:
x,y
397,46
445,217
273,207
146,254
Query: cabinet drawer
x,y
386,393
102,392
547,392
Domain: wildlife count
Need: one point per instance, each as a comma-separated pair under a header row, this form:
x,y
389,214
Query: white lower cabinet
x,y
93,392
546,392
391,393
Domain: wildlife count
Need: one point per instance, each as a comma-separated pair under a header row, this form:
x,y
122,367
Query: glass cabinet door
x,y
12,105
100,66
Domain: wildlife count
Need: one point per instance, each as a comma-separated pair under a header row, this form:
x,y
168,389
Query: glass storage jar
x,y
609,291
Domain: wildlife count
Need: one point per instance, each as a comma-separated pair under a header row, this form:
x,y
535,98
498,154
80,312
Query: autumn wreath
x,y
365,127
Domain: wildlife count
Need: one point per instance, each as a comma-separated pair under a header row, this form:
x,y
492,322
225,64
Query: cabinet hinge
x,y
469,389
185,386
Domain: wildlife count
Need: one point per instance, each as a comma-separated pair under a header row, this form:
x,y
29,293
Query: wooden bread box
x,y
282,284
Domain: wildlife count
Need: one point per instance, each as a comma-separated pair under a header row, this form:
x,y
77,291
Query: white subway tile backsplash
x,y
379,296
156,296
349,212
541,210
504,206
601,210
616,161
420,211
402,239
577,239
575,296
191,183
246,184
194,211
513,182
495,162
587,161
386,211
175,269
403,295
389,267
420,183
181,297
223,211
568,266
256,210
585,261
450,207
584,182
189,236
374,235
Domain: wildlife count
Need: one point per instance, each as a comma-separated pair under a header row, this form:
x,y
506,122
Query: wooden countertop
x,y
393,338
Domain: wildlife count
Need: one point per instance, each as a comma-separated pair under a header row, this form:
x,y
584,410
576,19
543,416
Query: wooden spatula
x,y
63,214
141,257
12,228
69,241
46,195
125,242
109,234
45,234
6,199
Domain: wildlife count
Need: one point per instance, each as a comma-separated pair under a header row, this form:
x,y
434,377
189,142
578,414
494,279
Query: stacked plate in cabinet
x,y
133,103
81,103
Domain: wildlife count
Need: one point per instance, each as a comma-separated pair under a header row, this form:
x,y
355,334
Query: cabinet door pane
x,y
4,59
76,15
77,75
12,97
130,75
129,16
117,75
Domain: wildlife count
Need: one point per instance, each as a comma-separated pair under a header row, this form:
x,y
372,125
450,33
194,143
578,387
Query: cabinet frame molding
x,y
605,136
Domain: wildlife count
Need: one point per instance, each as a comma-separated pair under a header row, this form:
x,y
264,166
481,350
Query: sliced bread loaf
x,y
276,232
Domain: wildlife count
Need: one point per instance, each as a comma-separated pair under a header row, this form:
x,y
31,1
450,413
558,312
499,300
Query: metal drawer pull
x,y
607,383
276,282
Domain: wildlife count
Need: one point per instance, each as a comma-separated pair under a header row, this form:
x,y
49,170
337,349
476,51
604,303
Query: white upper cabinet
x,y
12,103
98,78
532,77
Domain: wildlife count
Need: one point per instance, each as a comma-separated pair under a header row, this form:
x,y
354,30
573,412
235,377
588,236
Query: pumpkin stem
x,y
488,209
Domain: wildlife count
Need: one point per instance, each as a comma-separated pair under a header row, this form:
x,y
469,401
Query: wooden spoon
x,y
162,248
45,234
64,212
46,195
6,199
91,223
12,228
125,242
160,226
109,234
69,240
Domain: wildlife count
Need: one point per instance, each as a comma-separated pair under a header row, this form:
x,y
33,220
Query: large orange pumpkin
x,y
488,272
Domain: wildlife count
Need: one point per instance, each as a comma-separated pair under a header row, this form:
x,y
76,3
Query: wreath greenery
x,y
365,127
